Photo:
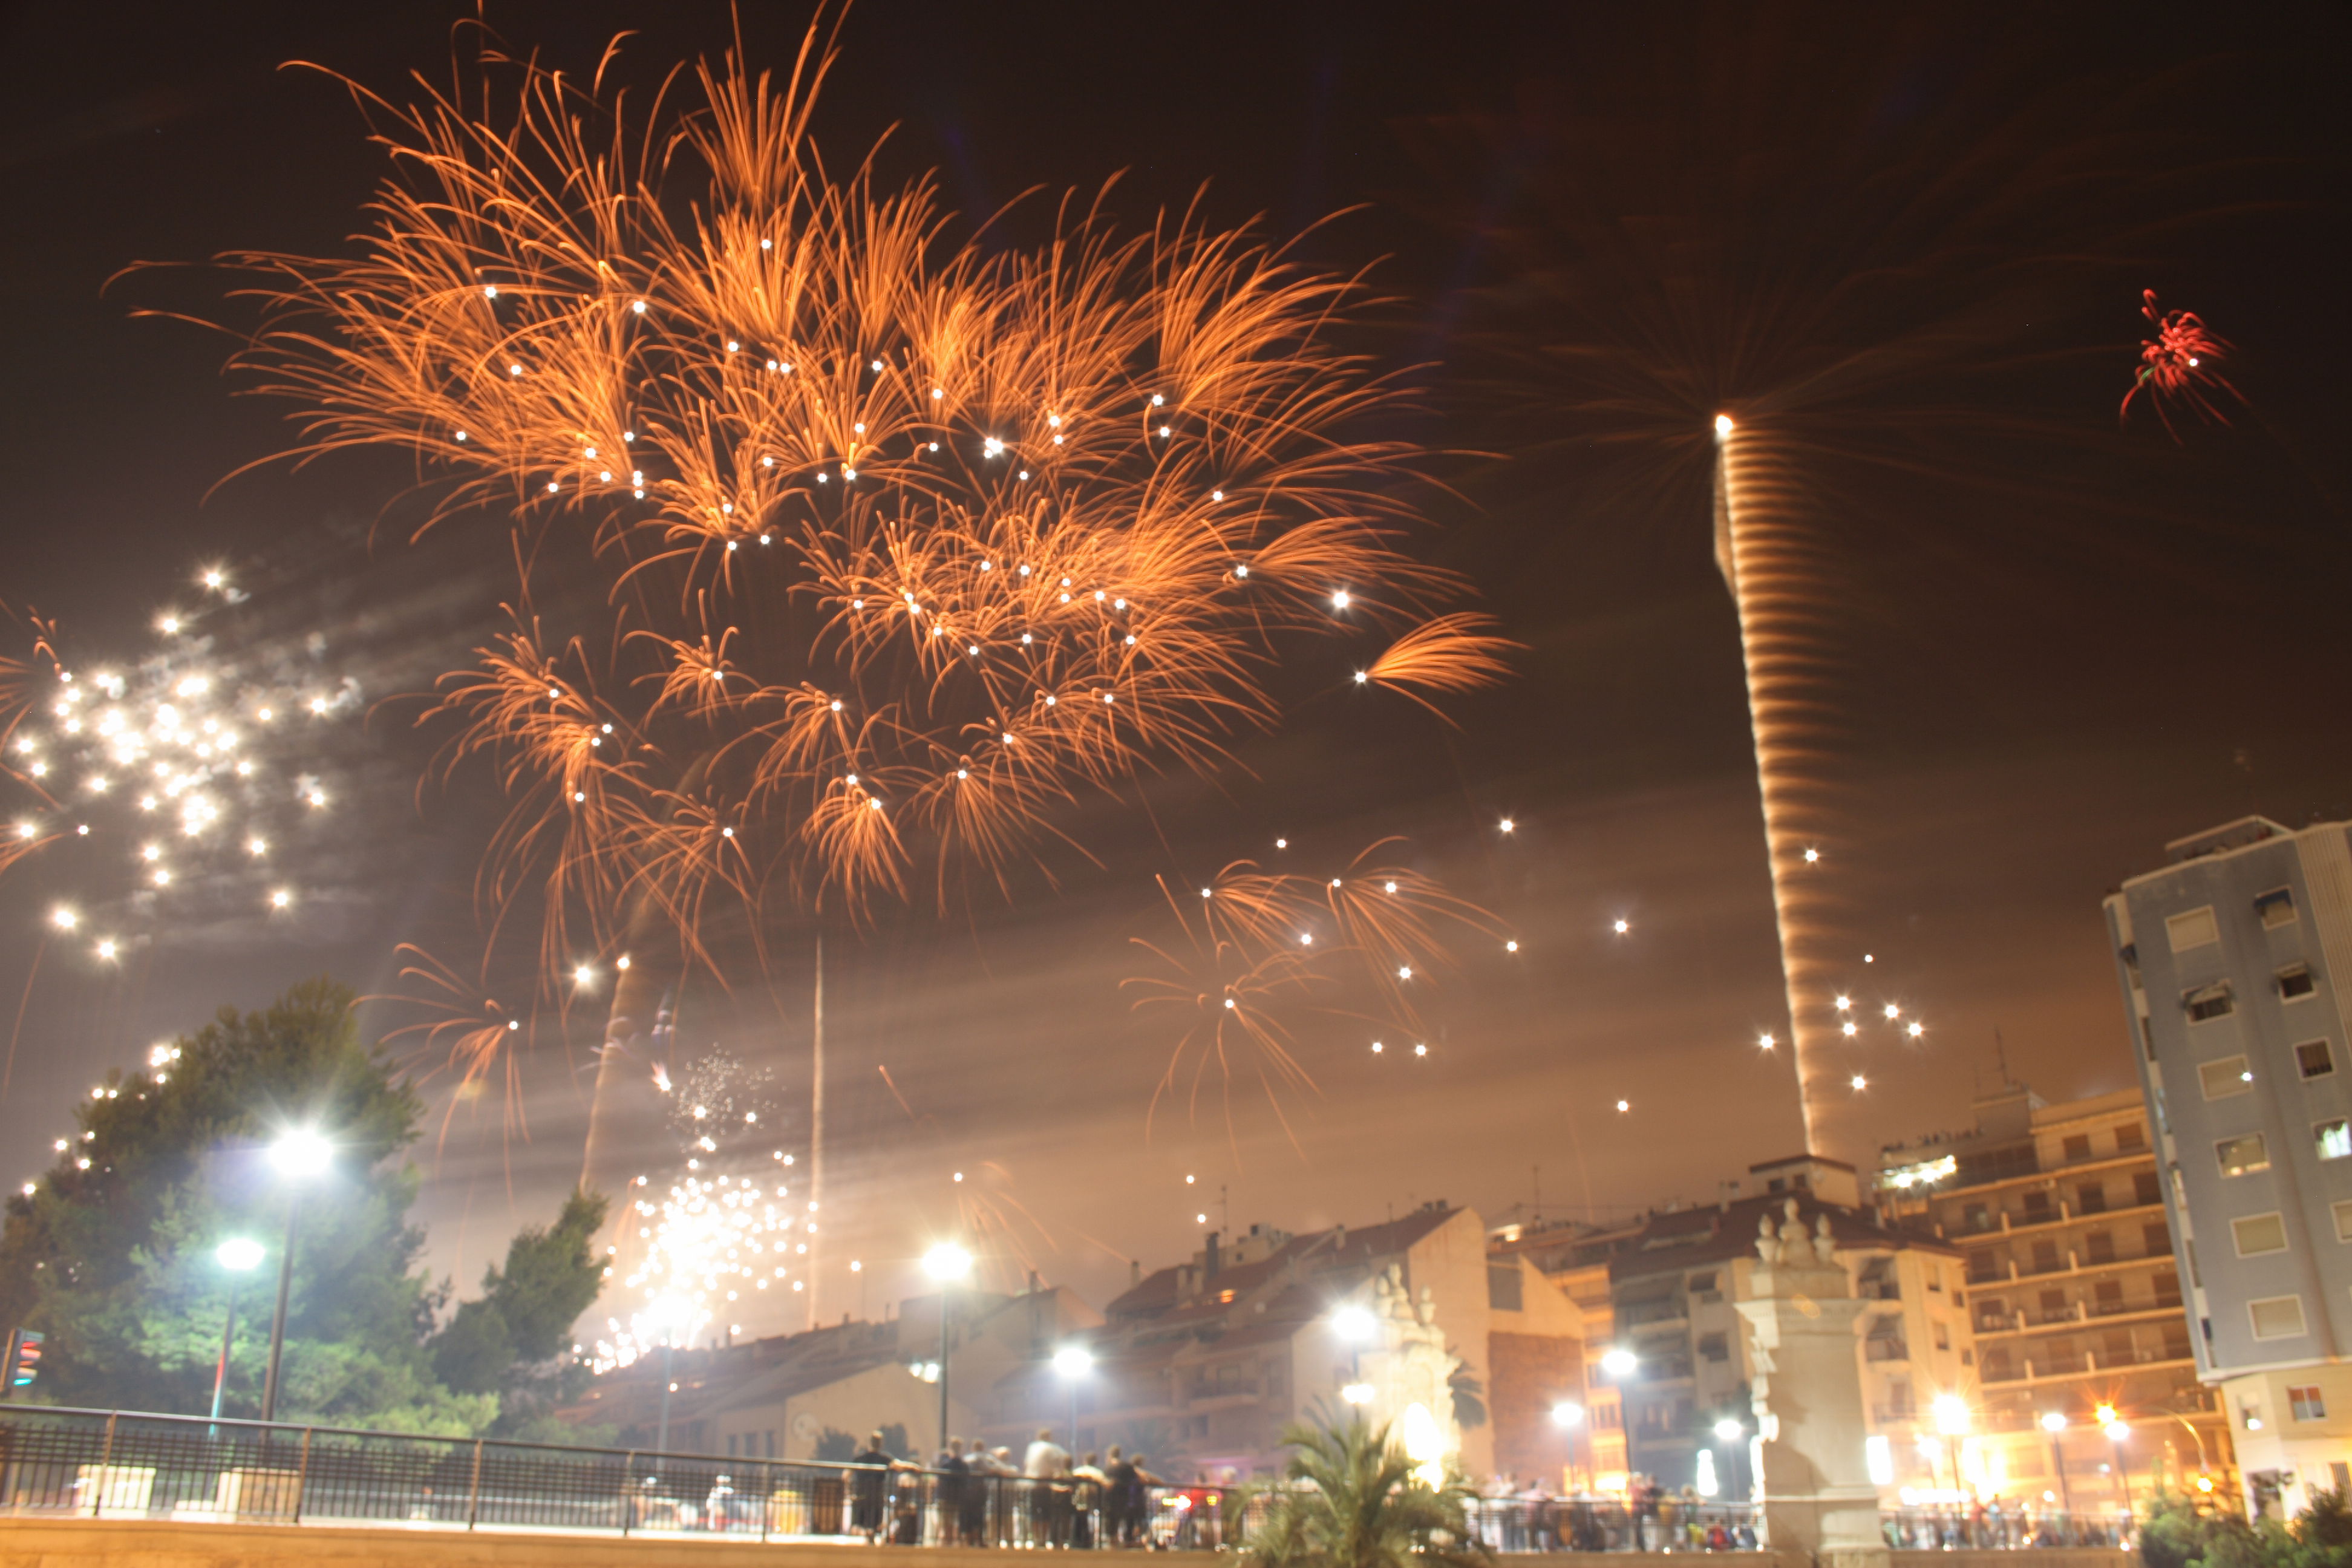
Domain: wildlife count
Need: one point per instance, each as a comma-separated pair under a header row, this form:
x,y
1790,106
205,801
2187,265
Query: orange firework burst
x,y
845,553
473,1034
1253,942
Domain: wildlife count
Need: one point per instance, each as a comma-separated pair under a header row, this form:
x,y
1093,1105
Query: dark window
x,y
2077,1145
2276,907
2306,1402
2099,1246
1714,1347
2091,1197
2130,1138
2296,982
1977,1218
2157,1238
2045,1256
2147,1187
2107,1296
1503,1287
2315,1059
2208,1002
2037,1205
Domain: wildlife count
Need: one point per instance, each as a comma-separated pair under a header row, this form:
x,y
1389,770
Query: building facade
x,y
1202,1365
1673,1278
2074,1299
2233,961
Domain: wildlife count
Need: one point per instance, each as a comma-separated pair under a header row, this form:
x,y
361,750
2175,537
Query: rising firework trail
x,y
846,556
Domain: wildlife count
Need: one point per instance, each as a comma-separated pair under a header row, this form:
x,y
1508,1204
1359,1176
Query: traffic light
x,y
24,1359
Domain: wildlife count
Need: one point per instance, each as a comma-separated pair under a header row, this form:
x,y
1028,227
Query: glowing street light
x,y
1358,1393
1568,1412
1618,1362
949,1264
300,1154
1073,1364
2054,1422
1354,1324
238,1255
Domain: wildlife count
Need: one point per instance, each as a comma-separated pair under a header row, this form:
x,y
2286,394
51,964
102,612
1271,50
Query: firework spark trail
x,y
1778,570
2181,363
162,782
725,1227
1252,943
845,555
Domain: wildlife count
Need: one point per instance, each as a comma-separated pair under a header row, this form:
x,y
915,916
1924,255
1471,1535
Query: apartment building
x,y
2233,961
2074,1299
1673,1278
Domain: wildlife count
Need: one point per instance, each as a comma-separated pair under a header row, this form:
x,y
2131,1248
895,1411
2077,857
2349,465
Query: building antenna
x,y
2001,1055
1226,1208
1537,1176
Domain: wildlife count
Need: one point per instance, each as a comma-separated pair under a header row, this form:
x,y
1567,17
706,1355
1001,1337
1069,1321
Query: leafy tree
x,y
2176,1536
835,1447
1355,1502
515,1340
113,1254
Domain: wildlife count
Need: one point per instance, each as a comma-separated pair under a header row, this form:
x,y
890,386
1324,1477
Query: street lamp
x,y
947,1263
1951,1413
2117,1429
1618,1362
238,1255
1071,1363
2054,1422
1568,1412
300,1154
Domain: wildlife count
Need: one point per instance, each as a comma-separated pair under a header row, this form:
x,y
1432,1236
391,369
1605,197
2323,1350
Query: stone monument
x,y
1409,1371
1809,1454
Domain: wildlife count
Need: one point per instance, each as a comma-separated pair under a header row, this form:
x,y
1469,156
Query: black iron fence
x,y
1999,1529
96,1463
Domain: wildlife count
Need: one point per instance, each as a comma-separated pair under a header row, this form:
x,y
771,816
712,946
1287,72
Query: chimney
x,y
1213,1262
1134,1271
1338,1240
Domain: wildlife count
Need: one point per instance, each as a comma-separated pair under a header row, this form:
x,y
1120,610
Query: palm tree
x,y
1353,1500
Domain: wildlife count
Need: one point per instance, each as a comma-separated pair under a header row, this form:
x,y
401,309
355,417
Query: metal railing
x,y
97,1464
2000,1530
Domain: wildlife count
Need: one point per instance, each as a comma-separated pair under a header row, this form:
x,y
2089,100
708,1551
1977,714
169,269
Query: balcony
x,y
1989,1325
2055,1368
1885,1349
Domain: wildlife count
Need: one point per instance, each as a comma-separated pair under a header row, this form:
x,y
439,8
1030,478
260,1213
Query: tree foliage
x,y
1355,1500
112,1254
514,1342
2176,1536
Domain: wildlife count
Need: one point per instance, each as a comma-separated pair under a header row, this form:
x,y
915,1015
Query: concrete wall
x,y
141,1544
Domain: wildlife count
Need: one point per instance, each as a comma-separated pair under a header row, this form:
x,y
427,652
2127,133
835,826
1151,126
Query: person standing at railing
x,y
867,1487
1086,1501
1118,1499
947,1494
1047,1469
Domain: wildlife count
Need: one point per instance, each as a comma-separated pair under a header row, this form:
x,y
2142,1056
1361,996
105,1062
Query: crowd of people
x,y
1512,1516
971,1495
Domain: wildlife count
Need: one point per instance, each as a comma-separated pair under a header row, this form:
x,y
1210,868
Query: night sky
x,y
2062,643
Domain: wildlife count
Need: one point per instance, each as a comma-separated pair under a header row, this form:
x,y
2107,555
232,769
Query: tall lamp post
x,y
1568,1417
1952,1420
947,1264
2117,1429
1728,1432
1072,1364
2054,1422
237,1255
1356,1326
299,1155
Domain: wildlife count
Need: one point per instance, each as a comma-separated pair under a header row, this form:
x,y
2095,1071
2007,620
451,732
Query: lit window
x,y
2259,1233
2208,1002
2296,983
2315,1059
2276,907
2342,1212
2276,1317
2224,1078
2334,1138
2194,929
2305,1402
2242,1157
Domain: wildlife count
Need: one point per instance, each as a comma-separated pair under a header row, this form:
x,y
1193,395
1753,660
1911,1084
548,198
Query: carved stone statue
x,y
1410,1371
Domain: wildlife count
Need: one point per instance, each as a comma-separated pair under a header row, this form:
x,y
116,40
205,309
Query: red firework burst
x,y
2179,365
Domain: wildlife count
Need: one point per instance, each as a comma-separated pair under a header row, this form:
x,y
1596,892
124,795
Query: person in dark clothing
x,y
948,1492
1118,1489
868,1486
